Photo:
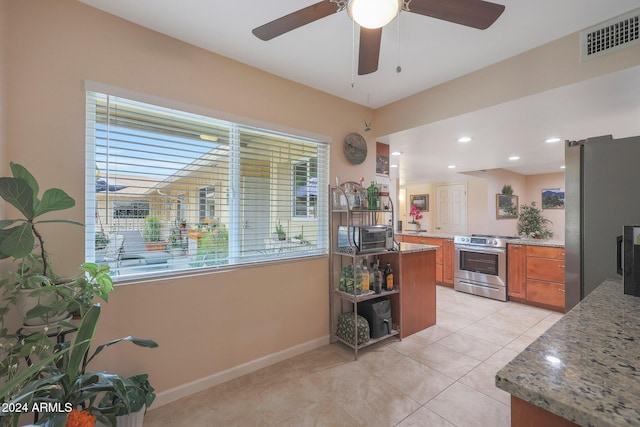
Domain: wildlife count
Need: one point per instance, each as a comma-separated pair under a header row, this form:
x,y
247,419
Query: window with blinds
x,y
172,192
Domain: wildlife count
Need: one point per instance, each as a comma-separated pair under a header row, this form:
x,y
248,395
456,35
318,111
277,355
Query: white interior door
x,y
255,214
451,208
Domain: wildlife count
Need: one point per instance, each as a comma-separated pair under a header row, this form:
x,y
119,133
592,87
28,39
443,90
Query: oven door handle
x,y
481,249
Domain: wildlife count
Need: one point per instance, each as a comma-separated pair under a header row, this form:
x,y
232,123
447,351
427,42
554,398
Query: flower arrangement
x,y
415,215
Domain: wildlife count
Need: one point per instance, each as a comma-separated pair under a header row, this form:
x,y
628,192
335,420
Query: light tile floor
x,y
442,376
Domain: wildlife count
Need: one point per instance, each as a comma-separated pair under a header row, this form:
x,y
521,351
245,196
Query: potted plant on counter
x,y
415,215
531,223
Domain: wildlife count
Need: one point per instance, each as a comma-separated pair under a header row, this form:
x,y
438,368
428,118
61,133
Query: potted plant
x,y
151,234
280,233
415,215
531,223
67,383
34,284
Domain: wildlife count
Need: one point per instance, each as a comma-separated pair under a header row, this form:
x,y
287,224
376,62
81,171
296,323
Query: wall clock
x,y
355,148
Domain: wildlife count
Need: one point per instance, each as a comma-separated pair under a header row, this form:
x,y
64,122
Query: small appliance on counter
x,y
373,238
629,259
378,314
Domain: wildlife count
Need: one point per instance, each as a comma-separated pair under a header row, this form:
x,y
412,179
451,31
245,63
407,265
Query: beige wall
x,y
208,324
535,185
3,82
550,66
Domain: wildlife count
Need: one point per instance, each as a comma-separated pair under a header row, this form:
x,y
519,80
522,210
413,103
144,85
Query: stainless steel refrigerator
x,y
602,194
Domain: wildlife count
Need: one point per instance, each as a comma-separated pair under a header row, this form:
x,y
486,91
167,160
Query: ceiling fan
x,y
372,15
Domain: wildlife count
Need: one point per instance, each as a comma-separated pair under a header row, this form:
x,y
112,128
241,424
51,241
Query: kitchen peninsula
x,y
584,369
444,253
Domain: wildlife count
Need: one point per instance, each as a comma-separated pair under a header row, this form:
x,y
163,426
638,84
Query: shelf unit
x,y
344,214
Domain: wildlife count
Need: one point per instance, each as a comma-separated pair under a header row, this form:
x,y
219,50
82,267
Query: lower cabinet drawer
x,y
548,293
551,270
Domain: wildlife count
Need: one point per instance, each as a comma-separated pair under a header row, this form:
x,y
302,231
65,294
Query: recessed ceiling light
x,y
552,140
514,158
393,166
562,167
396,153
464,139
451,166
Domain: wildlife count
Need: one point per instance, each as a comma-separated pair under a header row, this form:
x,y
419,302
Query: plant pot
x,y
25,302
135,419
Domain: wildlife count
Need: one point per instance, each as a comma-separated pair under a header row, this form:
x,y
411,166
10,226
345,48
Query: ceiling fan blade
x,y
472,13
369,50
295,20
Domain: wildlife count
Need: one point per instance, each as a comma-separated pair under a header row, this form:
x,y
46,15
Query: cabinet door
x,y
547,293
546,269
516,271
545,252
447,260
411,239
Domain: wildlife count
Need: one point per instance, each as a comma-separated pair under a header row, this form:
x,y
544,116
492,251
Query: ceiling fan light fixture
x,y
373,13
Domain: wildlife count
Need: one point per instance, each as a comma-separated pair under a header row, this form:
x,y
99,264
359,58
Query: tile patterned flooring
x,y
442,376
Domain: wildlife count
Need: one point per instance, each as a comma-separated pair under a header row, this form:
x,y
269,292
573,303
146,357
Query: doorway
x,y
451,208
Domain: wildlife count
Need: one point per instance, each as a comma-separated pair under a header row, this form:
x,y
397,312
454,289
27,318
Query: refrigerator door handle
x,y
619,254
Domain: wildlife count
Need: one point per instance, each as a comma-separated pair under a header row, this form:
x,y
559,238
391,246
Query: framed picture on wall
x,y
552,198
420,201
506,206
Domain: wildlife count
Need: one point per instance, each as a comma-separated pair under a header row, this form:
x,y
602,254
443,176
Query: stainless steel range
x,y
480,266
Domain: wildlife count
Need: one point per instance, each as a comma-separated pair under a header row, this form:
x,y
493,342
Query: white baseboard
x,y
201,384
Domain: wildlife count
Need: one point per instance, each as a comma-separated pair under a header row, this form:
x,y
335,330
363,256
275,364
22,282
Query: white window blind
x,y
170,191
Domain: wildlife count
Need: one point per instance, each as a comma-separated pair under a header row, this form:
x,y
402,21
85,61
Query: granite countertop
x,y
586,367
427,234
538,242
416,247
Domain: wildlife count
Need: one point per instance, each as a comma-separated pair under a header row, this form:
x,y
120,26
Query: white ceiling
x,y
430,52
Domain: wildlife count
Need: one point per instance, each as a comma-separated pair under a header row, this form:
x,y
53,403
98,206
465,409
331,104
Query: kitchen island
x,y
444,253
585,370
417,275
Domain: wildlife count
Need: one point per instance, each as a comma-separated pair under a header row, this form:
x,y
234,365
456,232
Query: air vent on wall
x,y
615,34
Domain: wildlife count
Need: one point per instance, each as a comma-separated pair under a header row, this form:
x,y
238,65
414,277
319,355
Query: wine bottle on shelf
x,y
379,278
364,277
388,277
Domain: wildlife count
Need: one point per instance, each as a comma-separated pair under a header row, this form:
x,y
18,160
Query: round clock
x,y
355,148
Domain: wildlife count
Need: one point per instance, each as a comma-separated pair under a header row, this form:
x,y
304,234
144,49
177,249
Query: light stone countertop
x,y
427,234
538,242
416,247
586,367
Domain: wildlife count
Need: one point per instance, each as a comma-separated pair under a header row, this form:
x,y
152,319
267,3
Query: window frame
x,y
92,226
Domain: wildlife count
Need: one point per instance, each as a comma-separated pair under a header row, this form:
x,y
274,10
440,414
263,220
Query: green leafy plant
x,y
532,224
506,189
280,231
152,229
18,236
67,381
21,239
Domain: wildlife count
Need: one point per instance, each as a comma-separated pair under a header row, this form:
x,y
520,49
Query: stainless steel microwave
x,y
373,238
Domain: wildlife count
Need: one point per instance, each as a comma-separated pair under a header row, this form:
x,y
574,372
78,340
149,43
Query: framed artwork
x,y
421,201
552,198
506,206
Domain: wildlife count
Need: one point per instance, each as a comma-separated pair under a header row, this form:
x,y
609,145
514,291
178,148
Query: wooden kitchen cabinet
x,y
418,291
545,276
447,261
444,256
516,271
535,275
